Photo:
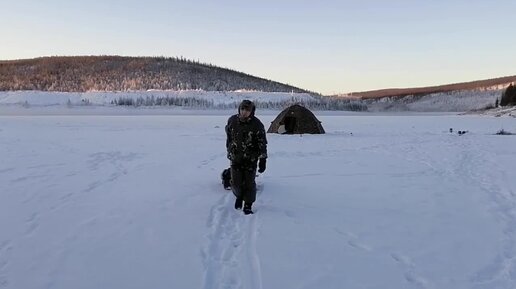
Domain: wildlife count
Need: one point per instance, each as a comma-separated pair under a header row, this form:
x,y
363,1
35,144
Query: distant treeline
x,y
117,73
321,103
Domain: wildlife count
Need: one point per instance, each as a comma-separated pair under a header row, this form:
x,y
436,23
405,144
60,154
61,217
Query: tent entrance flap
x,y
290,124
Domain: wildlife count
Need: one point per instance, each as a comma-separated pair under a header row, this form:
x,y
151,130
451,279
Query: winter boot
x,y
248,208
238,204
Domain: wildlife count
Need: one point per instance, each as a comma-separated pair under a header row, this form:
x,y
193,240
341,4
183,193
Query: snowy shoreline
x,y
184,102
19,110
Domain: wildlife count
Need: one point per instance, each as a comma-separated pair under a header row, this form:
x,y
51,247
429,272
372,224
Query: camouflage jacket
x,y
246,140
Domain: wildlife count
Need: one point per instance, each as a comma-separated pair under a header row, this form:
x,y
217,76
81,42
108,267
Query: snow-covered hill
x,y
122,73
464,100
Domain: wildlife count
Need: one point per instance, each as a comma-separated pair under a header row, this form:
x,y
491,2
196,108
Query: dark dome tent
x,y
296,119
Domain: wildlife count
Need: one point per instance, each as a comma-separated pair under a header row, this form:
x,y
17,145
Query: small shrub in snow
x,y
503,132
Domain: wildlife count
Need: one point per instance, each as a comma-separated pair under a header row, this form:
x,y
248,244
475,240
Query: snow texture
x,y
135,201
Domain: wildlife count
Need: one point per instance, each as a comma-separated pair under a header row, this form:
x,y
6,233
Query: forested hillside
x,y
117,73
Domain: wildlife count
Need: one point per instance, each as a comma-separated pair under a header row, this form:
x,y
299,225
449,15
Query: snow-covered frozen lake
x,y
125,201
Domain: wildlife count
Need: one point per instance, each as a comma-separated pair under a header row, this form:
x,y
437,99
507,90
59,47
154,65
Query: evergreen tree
x,y
509,96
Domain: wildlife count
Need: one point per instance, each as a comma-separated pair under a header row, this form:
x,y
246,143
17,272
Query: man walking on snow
x,y
246,145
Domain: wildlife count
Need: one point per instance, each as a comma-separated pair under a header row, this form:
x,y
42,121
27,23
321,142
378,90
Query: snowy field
x,y
121,201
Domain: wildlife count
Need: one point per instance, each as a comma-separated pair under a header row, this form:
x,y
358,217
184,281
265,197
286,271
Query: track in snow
x,y
230,257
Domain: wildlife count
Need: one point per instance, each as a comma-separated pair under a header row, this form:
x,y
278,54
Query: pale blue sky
x,y
325,46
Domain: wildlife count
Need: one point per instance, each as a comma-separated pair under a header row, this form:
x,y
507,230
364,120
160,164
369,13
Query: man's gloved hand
x,y
261,165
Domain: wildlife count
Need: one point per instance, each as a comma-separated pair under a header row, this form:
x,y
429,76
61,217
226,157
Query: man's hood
x,y
249,104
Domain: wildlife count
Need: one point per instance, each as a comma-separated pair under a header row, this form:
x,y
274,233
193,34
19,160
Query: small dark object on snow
x,y
461,132
226,178
451,130
504,132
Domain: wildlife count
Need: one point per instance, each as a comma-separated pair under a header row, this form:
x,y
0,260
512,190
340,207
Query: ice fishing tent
x,y
296,119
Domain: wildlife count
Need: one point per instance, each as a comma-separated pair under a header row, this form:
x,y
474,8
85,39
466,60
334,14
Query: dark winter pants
x,y
242,182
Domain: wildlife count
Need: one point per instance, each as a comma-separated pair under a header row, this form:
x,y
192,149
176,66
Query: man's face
x,y
245,112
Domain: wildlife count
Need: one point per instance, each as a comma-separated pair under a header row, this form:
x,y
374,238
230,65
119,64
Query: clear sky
x,y
325,46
